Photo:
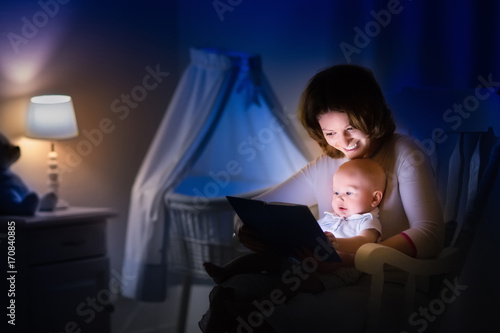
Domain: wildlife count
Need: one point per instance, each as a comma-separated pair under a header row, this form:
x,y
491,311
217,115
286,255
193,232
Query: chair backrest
x,y
484,167
471,172
465,165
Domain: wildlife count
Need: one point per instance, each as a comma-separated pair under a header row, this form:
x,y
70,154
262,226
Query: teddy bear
x,y
15,197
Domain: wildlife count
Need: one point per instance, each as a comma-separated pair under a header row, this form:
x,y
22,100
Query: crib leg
x,y
184,306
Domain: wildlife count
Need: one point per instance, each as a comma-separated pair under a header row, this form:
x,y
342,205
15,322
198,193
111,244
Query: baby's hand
x,y
332,239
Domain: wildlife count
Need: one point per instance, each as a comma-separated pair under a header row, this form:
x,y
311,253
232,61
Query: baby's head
x,y
358,187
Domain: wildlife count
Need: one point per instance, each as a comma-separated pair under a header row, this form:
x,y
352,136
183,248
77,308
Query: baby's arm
x,y
352,244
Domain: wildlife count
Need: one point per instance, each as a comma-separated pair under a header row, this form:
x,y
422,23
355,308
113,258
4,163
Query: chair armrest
x,y
370,258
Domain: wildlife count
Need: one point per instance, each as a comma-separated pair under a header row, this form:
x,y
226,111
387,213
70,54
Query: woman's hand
x,y
251,239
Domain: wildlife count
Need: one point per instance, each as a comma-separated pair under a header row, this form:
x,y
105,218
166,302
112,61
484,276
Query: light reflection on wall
x,y
20,71
23,59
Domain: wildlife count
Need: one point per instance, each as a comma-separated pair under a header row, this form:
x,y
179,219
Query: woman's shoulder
x,y
402,144
325,161
398,149
321,166
402,139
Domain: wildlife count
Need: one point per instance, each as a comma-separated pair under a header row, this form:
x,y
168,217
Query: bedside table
x,y
57,271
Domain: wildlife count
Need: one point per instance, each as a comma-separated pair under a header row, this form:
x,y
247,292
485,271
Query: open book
x,y
285,227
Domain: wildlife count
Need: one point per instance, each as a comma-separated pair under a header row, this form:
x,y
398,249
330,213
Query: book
x,y
285,227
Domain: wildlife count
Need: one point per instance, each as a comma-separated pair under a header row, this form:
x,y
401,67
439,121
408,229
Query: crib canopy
x,y
224,133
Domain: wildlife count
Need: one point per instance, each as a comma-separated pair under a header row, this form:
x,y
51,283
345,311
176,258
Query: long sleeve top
x,y
410,205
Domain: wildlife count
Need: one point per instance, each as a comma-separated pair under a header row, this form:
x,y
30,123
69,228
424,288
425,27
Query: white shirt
x,y
350,226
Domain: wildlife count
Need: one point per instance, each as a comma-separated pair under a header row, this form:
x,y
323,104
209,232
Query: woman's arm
x,y
401,243
418,193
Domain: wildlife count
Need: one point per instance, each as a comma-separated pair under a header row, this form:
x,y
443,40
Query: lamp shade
x,y
51,117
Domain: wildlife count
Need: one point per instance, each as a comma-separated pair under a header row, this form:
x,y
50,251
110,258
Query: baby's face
x,y
352,195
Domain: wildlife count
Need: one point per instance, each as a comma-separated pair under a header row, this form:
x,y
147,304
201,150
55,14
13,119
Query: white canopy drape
x,y
223,124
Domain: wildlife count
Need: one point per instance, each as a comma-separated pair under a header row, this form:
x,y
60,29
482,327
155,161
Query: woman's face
x,y
339,134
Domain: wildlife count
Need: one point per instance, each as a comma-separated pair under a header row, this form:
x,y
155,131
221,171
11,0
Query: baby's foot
x,y
217,273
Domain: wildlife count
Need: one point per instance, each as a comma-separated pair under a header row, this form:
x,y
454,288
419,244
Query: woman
x,y
344,111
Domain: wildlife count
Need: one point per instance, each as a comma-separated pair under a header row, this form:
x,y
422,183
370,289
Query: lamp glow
x,y
52,117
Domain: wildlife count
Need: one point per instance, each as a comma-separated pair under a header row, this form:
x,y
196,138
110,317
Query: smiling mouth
x,y
352,147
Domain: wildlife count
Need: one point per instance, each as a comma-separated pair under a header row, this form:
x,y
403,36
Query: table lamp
x,y
52,117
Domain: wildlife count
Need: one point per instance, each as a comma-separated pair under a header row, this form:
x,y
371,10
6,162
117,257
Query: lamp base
x,y
61,204
51,202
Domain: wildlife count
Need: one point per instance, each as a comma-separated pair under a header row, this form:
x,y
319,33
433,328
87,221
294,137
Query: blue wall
x,y
444,45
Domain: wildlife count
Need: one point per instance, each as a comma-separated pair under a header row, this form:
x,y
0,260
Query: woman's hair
x,y
350,89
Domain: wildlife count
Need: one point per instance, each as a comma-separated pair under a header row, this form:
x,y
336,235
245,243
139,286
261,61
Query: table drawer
x,y
66,243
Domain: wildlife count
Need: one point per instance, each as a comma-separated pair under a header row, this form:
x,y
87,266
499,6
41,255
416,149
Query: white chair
x,y
472,169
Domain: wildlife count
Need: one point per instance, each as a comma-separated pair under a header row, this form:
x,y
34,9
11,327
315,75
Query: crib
x,y
201,229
